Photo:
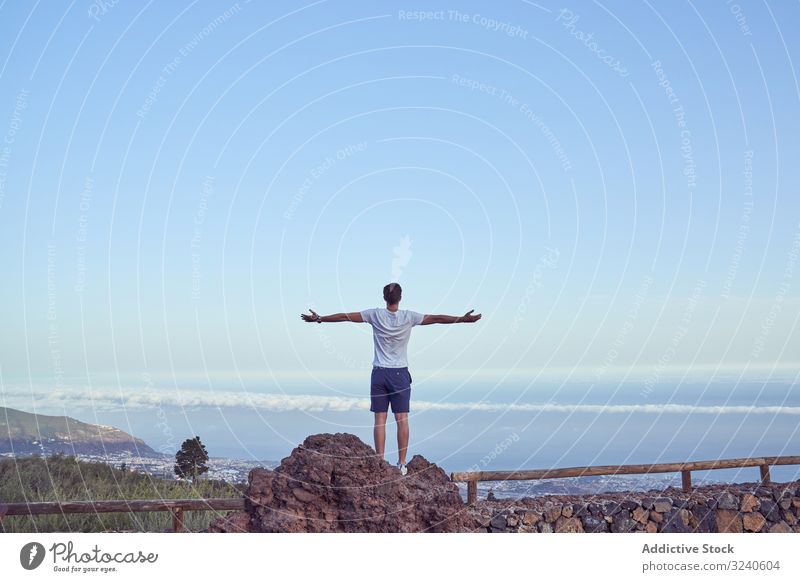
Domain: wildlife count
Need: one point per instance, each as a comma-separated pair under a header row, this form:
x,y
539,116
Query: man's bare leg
x,y
402,435
379,433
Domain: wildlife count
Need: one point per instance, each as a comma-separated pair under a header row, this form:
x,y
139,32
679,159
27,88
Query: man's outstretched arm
x,y
466,318
354,316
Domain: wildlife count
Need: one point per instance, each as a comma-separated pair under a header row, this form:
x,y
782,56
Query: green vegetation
x,y
64,478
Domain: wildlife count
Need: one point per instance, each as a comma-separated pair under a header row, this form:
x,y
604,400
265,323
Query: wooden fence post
x,y
686,481
472,492
764,469
177,519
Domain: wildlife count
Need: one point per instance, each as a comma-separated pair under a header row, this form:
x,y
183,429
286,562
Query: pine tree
x,y
191,460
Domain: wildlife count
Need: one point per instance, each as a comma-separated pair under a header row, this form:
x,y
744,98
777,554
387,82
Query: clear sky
x,y
613,185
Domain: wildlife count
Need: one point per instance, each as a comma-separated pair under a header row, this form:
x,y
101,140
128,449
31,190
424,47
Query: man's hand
x,y
469,318
313,318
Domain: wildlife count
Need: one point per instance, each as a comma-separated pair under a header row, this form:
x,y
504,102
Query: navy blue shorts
x,y
390,386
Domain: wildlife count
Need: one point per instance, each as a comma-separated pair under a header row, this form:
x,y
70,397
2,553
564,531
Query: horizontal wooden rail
x,y
471,478
174,506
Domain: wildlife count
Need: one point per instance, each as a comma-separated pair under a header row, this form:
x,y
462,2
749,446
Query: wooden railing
x,y
175,506
471,478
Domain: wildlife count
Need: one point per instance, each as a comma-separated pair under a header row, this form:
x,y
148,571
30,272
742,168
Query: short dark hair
x,y
392,293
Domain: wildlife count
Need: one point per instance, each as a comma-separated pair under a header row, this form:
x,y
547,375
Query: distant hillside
x,y
27,434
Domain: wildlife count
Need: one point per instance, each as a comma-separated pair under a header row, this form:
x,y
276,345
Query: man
x,y
391,381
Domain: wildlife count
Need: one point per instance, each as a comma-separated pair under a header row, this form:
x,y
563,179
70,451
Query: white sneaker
x,y
403,469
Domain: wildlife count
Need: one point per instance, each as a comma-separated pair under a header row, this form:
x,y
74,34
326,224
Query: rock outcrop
x,y
336,483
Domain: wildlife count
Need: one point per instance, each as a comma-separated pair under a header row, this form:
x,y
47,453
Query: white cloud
x,y
148,399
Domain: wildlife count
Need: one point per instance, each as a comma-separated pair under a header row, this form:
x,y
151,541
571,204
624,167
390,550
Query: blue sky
x,y
614,187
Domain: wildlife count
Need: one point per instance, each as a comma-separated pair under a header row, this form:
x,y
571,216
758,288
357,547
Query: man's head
x,y
392,293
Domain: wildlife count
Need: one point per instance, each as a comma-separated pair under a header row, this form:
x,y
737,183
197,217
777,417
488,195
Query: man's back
x,y
390,333
391,329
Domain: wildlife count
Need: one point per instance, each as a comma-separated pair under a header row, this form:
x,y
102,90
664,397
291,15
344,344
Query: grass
x,y
65,478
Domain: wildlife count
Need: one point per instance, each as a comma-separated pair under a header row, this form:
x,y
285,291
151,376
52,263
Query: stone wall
x,y
749,507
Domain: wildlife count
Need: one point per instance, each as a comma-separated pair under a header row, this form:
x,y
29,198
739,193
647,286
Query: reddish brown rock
x,y
750,502
662,504
656,516
693,523
531,518
303,495
728,521
753,521
238,522
552,513
652,527
336,483
568,525
780,527
640,514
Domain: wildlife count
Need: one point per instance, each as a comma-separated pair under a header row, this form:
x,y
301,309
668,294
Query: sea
x,y
468,426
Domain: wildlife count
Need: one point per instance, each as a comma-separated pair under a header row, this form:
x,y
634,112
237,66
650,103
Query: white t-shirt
x,y
390,333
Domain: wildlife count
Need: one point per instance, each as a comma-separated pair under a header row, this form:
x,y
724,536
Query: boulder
x,y
568,525
750,502
498,522
780,527
753,521
676,521
629,504
531,518
728,521
623,523
770,510
593,524
662,504
611,508
552,513
640,514
705,519
656,516
727,500
336,483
